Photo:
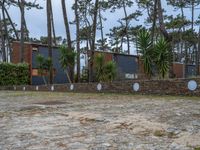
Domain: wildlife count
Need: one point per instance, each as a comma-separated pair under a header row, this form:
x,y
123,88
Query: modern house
x,y
30,52
127,65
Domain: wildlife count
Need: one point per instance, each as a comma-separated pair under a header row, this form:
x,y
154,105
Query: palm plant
x,y
145,47
161,56
44,66
67,60
104,71
110,71
99,67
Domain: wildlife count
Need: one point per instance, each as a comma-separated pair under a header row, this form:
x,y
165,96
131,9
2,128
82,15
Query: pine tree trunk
x,y
13,26
101,28
154,20
192,25
126,28
52,24
198,55
21,5
66,23
3,47
68,36
166,36
93,40
77,39
49,31
7,50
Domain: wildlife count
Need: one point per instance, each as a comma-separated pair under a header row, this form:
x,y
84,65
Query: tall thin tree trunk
x,y
3,47
101,28
166,35
93,40
77,39
66,23
21,5
68,35
192,25
7,50
186,59
154,20
13,26
49,31
198,55
52,24
126,28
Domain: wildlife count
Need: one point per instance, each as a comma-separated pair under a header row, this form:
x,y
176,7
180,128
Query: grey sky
x,y
36,19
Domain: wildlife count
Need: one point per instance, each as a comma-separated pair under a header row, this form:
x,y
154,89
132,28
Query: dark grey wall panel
x,y
60,76
126,65
191,70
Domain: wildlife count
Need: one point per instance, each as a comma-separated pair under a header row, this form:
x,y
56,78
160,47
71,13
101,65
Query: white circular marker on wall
x,y
71,87
36,88
192,85
136,87
99,87
52,88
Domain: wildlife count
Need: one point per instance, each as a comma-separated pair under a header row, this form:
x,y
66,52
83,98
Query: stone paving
x,y
67,121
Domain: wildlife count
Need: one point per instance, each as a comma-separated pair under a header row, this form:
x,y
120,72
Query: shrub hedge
x,y
14,74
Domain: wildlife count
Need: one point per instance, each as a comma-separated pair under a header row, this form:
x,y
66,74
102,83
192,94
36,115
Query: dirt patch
x,y
51,103
93,121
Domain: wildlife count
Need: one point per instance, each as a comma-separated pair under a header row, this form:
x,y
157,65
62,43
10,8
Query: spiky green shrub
x,y
105,71
161,56
154,57
145,48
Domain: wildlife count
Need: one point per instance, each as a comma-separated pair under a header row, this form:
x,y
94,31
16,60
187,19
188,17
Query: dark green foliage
x,y
67,57
145,48
161,52
14,74
44,66
110,71
154,56
67,60
105,71
99,67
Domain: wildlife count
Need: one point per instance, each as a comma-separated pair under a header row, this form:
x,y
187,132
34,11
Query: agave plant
x,y
162,56
145,47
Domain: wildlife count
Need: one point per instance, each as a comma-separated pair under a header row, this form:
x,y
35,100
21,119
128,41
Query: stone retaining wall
x,y
161,87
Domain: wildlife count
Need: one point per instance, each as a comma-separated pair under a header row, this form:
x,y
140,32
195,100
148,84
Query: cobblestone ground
x,y
62,121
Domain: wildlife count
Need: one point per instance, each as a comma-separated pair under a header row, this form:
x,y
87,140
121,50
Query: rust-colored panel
x,y
35,72
15,55
178,70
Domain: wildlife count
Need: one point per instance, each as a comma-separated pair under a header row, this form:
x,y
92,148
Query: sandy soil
x,y
62,121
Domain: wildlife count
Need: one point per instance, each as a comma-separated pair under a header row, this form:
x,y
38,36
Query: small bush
x,y
14,74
